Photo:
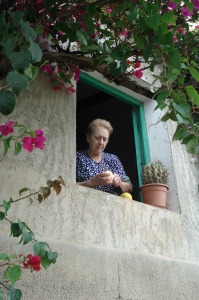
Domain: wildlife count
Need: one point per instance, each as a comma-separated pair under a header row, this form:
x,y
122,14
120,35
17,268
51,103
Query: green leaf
x,y
35,51
25,189
2,215
194,63
22,225
10,45
153,21
6,143
81,38
3,256
40,248
45,262
183,108
166,117
193,94
17,15
18,147
174,61
14,294
31,72
7,102
163,95
27,31
39,29
27,236
147,52
91,9
12,255
194,74
166,40
15,230
168,17
13,274
192,145
180,119
17,81
6,205
52,256
20,60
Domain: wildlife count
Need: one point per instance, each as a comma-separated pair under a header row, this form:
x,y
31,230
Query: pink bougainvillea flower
x,y
109,10
7,128
47,68
83,25
76,73
124,33
71,89
196,4
175,39
39,140
197,27
185,12
29,143
181,29
32,262
172,5
138,73
137,64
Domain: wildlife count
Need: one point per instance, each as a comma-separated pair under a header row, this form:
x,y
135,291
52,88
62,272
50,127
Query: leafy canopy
x,y
114,38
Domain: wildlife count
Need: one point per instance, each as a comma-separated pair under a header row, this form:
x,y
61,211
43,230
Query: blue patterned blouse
x,y
87,168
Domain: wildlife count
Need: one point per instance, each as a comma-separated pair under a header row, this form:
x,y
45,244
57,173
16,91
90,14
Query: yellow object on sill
x,y
126,195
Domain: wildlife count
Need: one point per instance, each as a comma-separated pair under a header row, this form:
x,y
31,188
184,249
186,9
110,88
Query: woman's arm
x,y
125,186
100,179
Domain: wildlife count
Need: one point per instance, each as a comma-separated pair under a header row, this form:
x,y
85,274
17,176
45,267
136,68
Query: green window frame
x,y
138,119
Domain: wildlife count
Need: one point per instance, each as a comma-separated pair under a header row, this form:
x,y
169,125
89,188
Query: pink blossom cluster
x,y
7,128
124,33
32,262
137,70
185,12
60,76
178,34
28,142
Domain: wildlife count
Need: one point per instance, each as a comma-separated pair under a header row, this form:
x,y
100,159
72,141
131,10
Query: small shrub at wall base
x,y
154,189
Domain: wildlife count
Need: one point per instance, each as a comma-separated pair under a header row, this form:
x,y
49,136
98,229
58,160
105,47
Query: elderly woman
x,y
93,164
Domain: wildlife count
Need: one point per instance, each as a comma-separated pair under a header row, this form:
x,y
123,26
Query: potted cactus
x,y
154,189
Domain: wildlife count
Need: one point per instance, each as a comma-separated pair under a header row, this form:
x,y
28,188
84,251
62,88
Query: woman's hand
x,y
102,179
116,180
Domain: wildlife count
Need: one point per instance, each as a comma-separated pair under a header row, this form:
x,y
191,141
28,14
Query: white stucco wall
x,y
108,246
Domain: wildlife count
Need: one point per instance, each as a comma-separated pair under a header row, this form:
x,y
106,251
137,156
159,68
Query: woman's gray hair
x,y
99,123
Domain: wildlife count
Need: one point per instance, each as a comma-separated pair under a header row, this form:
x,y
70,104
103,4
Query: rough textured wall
x,y
54,112
109,248
107,245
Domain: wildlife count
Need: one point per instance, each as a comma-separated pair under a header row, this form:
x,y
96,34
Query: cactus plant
x,y
155,172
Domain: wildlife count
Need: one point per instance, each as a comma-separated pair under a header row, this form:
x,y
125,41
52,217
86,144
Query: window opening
x,y
98,100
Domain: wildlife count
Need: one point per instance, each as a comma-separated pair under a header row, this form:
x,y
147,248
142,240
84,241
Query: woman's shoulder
x,y
81,154
110,156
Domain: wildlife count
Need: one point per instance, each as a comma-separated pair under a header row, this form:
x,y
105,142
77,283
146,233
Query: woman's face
x,y
98,140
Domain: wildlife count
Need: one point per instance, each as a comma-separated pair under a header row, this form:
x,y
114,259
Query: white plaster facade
x,y
109,247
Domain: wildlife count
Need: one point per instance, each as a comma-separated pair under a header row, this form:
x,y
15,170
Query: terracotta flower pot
x,y
155,194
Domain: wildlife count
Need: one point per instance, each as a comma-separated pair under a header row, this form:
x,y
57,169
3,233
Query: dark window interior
x,y
93,103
